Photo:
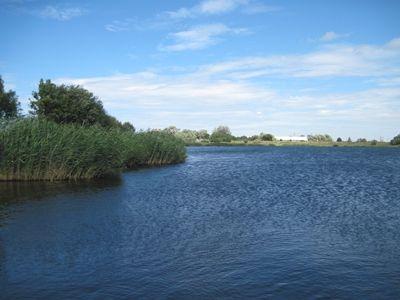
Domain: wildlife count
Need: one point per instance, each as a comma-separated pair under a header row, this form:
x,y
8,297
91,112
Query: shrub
x,y
266,137
320,138
339,140
221,134
395,140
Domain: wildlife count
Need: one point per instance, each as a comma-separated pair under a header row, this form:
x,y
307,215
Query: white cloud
x,y
331,36
332,60
224,93
153,100
199,37
218,7
59,13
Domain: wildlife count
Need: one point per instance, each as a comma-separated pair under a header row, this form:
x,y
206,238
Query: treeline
x,y
68,136
223,135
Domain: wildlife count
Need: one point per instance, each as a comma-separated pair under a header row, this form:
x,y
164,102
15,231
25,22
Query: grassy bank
x,y
34,149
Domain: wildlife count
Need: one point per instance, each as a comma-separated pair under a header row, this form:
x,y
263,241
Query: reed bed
x,y
36,149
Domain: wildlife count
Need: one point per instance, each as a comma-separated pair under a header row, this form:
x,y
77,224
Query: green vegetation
x,y
37,149
320,138
9,105
395,140
65,104
223,136
71,137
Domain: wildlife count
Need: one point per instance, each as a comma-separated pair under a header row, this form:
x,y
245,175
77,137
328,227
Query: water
x,y
231,222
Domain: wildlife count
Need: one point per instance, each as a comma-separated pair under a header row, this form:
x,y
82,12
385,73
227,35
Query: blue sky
x,y
283,67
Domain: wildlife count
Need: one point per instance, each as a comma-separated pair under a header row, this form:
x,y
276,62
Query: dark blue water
x,y
234,223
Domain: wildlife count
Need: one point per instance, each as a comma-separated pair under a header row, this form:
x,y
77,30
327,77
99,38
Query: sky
x,y
283,67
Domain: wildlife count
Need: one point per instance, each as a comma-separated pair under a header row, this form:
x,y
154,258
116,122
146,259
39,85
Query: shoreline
x,y
296,144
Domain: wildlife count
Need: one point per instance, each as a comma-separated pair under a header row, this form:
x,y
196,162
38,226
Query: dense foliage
x,y
395,140
266,137
221,134
65,104
320,138
9,105
36,149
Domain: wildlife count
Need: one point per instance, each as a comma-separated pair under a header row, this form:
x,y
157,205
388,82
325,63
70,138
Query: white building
x,y
301,138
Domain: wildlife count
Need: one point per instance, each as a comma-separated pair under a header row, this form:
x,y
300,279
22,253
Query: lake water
x,y
231,222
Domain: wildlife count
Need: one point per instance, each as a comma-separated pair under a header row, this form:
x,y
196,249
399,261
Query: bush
x,y
266,137
395,140
221,134
339,140
320,138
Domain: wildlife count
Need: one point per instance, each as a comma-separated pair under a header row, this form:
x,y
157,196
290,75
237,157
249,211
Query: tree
x,y
127,126
221,134
361,140
266,136
9,105
320,138
202,134
70,104
339,140
349,140
395,140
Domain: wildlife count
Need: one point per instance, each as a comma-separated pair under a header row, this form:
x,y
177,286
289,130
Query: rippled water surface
x,y
231,222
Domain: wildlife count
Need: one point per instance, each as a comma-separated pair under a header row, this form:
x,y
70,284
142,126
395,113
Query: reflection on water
x,y
21,191
244,222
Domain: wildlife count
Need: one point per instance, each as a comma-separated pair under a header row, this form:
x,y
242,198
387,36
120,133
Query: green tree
x,y
221,134
395,140
70,104
266,136
339,140
9,105
320,138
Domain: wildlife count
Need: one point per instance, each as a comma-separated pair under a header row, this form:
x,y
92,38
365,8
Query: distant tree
x,y
395,140
171,129
374,142
128,126
9,105
266,137
187,135
202,134
339,140
253,137
221,134
320,138
361,140
349,140
70,104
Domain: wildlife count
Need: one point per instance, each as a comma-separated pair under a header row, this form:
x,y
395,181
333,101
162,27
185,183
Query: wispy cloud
x,y
225,93
329,61
60,13
163,100
331,36
199,37
218,7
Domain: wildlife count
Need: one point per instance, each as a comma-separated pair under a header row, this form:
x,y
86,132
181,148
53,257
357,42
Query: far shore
x,y
297,144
